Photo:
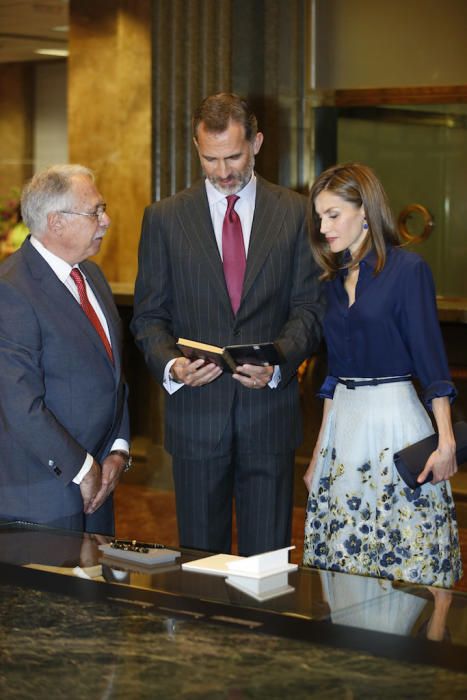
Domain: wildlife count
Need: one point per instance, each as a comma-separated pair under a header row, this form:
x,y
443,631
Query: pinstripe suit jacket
x,y
181,292
60,396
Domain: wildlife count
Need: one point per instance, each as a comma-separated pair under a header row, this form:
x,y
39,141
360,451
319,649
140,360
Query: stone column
x,y
109,116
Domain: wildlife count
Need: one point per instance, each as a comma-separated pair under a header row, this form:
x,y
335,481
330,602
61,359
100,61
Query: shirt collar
x,y
248,193
61,268
368,261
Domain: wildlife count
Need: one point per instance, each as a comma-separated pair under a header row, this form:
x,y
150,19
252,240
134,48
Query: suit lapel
x,y
195,220
267,223
105,299
61,299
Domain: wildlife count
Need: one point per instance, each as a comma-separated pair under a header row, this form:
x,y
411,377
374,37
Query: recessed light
x,y
61,28
52,52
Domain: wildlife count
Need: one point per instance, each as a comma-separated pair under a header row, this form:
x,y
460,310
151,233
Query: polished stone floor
x,y
52,646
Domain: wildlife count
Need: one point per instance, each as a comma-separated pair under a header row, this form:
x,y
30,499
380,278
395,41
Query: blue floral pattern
x,y
361,518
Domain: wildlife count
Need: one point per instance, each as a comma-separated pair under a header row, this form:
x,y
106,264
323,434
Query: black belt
x,y
352,384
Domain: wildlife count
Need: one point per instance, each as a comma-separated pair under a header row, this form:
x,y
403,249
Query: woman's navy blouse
x,y
392,328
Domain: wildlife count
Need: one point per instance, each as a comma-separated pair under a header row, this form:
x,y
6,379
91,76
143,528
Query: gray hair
x,y
48,191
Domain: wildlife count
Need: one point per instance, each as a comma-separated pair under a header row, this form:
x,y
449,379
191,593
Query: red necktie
x,y
233,253
78,279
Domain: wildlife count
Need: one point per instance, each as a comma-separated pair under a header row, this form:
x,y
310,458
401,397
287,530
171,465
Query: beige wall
x,y
16,100
109,117
368,43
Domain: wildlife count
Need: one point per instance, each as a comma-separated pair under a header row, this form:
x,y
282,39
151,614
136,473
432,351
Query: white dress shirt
x,y
244,207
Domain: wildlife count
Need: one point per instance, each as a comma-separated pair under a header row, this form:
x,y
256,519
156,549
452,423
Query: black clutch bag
x,y
411,460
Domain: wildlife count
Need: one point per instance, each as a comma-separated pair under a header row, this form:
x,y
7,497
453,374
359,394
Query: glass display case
x,y
76,622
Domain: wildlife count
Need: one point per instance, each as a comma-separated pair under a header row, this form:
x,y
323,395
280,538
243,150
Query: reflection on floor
x,y
149,514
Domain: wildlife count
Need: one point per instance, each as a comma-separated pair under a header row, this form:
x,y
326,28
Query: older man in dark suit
x,y
64,429
224,262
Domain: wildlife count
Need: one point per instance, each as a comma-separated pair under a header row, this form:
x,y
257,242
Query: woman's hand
x,y
442,462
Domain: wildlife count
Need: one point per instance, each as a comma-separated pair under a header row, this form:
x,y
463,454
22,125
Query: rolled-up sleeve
x,y
327,388
423,335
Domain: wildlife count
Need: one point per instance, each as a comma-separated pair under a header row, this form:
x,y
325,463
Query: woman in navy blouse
x,y
381,323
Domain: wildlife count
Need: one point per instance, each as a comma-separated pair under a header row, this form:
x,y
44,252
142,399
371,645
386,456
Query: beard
x,y
236,181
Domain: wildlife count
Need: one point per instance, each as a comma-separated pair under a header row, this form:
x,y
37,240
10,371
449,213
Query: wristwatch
x,y
126,456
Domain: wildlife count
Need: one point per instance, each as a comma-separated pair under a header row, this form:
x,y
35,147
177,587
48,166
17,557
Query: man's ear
x,y
258,142
55,222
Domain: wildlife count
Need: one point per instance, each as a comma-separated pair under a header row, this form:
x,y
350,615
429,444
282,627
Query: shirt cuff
x,y
276,377
84,469
327,388
120,444
168,383
438,389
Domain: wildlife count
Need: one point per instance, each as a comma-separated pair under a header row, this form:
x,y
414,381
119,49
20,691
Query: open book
x,y
230,357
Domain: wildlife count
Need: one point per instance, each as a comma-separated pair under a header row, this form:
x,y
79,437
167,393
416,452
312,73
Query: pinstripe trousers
x,y
260,482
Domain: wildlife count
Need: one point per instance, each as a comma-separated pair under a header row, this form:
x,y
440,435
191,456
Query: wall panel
x,y
109,117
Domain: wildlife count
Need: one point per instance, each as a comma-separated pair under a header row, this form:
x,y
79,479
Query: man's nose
x,y
222,169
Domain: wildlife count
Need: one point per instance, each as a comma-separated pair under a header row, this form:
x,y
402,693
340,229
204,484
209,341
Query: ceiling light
x,y
61,28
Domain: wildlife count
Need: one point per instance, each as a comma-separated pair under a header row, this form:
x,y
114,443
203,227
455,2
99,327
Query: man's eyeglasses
x,y
98,213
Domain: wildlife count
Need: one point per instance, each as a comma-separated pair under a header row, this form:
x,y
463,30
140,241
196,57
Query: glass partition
x,y
419,152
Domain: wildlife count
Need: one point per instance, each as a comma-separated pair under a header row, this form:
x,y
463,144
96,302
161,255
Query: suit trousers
x,y
262,485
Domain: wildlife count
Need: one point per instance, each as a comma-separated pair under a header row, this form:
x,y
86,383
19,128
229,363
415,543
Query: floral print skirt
x,y
361,517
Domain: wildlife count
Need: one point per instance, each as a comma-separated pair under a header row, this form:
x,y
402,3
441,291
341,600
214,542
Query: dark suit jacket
x,y
60,396
181,292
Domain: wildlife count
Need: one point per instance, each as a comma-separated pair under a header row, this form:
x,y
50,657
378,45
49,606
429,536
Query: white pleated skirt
x,y
361,517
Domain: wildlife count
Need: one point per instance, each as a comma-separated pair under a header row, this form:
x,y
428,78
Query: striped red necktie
x,y
86,305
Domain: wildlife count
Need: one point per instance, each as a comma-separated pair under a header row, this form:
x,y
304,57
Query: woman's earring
x,y
365,225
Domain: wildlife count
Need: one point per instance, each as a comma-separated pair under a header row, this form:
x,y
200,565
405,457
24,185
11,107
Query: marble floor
x,y
54,646
149,514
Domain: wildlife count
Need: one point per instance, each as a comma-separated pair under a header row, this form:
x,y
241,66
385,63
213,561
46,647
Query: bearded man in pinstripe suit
x,y
230,435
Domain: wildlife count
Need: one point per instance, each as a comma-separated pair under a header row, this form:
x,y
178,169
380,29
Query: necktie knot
x,y
231,200
77,277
